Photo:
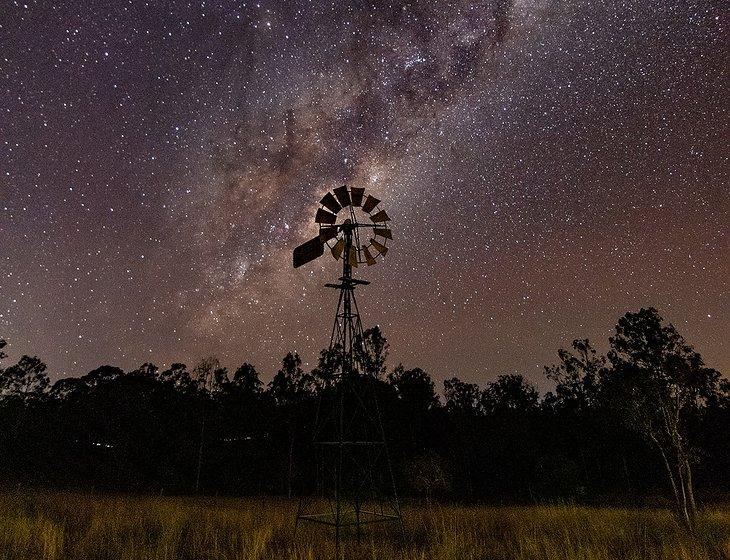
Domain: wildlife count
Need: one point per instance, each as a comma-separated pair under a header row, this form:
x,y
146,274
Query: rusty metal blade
x,y
368,257
343,195
381,216
379,247
324,217
338,248
328,232
383,232
370,203
356,194
330,202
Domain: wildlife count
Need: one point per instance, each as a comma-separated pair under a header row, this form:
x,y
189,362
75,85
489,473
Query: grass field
x,y
75,526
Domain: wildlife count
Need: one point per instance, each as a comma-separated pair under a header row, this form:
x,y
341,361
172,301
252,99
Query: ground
x,y
82,526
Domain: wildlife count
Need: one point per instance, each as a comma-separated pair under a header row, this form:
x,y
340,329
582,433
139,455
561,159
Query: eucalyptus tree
x,y
661,387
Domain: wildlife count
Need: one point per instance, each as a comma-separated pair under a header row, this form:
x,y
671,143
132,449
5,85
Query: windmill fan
x,y
352,225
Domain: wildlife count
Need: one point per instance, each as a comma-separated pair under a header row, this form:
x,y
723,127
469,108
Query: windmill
x,y
354,482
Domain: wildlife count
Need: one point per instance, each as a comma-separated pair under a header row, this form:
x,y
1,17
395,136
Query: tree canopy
x,y
648,416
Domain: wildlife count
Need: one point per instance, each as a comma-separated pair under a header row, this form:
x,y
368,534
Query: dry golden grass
x,y
75,526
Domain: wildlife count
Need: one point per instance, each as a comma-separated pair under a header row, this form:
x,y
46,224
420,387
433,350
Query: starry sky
x,y
548,166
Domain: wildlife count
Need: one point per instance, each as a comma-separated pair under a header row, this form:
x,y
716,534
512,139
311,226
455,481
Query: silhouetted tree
x,y
577,377
178,375
582,426
416,399
289,388
25,379
661,384
209,376
103,374
414,388
373,352
291,382
510,394
328,367
463,434
152,430
713,438
67,386
147,370
510,404
246,378
460,396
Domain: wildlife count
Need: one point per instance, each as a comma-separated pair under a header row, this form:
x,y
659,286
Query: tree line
x,y
649,418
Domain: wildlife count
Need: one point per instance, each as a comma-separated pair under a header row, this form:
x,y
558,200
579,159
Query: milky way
x,y
547,165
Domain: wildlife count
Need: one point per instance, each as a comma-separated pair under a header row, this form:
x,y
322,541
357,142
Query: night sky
x,y
548,166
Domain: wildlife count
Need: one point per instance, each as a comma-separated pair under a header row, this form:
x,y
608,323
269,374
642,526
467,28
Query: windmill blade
x,y
368,257
330,202
328,232
343,195
352,258
324,217
370,203
356,193
308,251
381,216
379,247
338,248
383,232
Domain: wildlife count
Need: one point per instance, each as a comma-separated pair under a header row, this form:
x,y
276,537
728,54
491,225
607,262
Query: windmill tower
x,y
354,482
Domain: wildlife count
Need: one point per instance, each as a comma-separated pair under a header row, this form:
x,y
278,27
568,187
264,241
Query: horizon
x,y
541,383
